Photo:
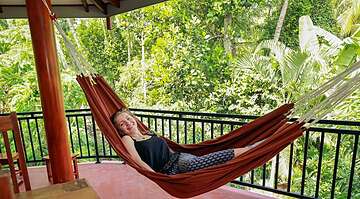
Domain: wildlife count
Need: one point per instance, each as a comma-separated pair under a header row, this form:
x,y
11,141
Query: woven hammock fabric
x,y
274,126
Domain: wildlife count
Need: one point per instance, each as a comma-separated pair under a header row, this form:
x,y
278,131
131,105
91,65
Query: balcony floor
x,y
115,180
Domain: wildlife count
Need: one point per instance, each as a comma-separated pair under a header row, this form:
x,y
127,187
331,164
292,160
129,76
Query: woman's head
x,y
124,122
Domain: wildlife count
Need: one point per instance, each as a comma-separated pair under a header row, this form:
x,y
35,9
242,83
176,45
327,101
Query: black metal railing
x,y
323,163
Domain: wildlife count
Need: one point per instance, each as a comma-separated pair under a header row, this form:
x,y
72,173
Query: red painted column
x,y
52,100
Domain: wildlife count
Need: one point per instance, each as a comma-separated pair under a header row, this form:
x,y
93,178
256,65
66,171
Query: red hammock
x,y
274,126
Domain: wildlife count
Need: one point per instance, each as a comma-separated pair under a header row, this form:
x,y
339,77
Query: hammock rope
x,y
51,13
326,106
329,84
80,63
341,86
82,66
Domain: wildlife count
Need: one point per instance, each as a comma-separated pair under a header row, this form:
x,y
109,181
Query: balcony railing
x,y
323,163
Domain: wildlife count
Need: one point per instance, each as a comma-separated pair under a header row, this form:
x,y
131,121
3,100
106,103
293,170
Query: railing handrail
x,y
190,113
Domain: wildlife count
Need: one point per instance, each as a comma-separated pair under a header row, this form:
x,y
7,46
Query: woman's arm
x,y
129,145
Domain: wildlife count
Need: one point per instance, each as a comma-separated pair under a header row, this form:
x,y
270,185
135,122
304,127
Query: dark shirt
x,y
154,151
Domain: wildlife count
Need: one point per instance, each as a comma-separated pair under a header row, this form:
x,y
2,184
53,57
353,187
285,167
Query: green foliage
x,y
321,11
19,90
210,56
349,16
102,48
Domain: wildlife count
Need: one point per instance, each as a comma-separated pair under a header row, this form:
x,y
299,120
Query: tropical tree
x,y
300,70
281,20
297,70
19,90
349,16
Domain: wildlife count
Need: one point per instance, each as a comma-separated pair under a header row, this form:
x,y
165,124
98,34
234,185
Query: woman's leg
x,y
188,162
239,151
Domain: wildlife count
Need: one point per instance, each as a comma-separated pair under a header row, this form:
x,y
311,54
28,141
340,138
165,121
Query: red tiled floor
x,y
115,180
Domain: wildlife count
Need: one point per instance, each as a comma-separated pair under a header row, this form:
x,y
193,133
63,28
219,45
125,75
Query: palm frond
x,y
293,66
308,40
334,41
356,9
345,21
257,63
277,48
349,17
245,62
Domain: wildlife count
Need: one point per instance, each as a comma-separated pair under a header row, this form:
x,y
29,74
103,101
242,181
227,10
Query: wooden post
x,y
42,34
108,23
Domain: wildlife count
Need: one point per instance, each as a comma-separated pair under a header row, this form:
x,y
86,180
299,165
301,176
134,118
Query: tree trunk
x,y
129,45
227,38
61,53
72,23
281,20
129,37
276,38
269,11
143,64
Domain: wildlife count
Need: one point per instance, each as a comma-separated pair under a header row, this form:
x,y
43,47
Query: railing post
x,y
95,141
177,128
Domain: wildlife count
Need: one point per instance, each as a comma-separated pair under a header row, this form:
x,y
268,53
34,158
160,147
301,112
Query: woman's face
x,y
126,123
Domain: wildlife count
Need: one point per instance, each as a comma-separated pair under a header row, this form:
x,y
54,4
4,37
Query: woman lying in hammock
x,y
153,153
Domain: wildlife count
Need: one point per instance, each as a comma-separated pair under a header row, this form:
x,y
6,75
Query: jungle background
x,y
231,56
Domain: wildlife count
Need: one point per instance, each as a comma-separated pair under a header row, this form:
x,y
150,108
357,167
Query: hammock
x,y
274,126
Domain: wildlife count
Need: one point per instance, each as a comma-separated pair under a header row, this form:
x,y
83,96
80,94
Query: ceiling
x,y
10,9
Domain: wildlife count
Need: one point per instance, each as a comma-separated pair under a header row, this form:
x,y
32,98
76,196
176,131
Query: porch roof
x,y
76,8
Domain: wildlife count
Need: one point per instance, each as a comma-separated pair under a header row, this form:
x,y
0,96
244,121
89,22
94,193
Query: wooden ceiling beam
x,y
101,6
115,3
86,5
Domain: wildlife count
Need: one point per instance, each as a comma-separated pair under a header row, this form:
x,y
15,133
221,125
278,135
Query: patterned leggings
x,y
187,162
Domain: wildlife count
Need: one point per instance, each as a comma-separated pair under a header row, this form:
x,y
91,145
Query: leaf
x,y
295,65
276,47
307,35
333,40
346,55
345,21
349,17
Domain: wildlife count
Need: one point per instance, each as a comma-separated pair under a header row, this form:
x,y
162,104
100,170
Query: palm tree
x,y
281,20
296,71
349,17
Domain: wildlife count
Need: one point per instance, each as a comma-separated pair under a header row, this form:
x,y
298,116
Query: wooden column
x,y
42,34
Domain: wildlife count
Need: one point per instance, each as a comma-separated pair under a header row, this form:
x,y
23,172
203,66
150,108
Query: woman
x,y
153,153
